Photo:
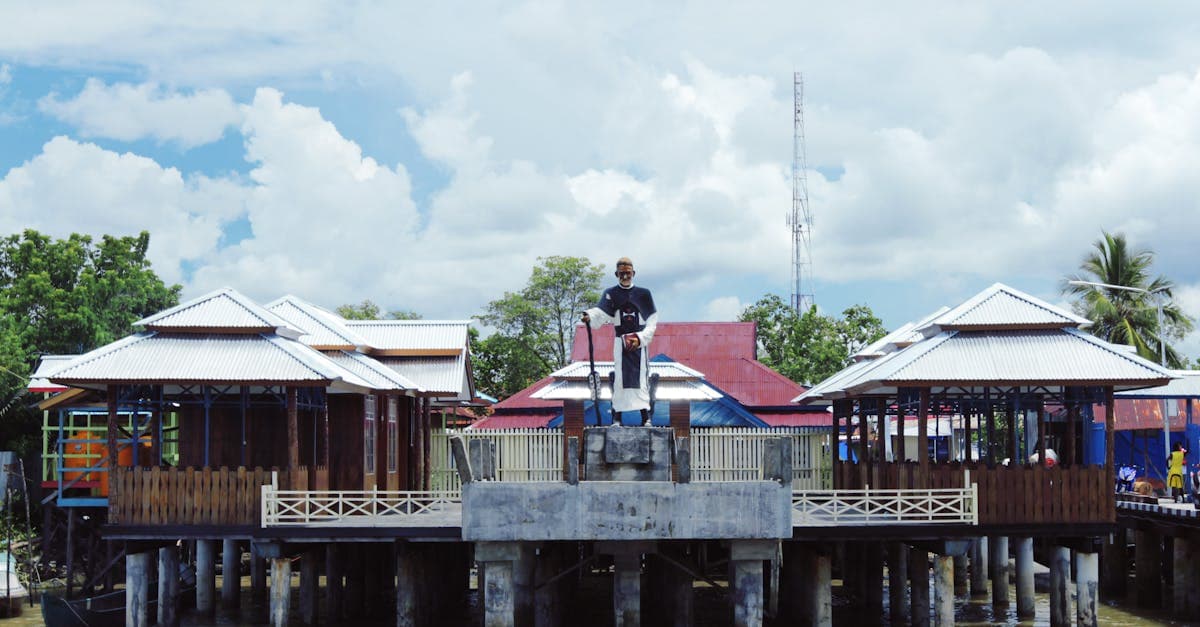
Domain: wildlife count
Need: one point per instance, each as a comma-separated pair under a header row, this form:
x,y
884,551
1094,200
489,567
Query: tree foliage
x,y
809,347
1128,316
535,327
66,296
368,310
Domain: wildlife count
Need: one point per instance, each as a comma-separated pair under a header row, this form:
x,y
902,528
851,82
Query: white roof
x,y
221,310
439,376
666,370
218,358
417,337
322,328
676,390
379,376
40,379
1001,306
1186,386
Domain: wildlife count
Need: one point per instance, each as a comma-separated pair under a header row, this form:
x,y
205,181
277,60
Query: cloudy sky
x,y
424,155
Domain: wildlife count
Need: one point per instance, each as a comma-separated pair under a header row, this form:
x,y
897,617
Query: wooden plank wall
x,y
193,496
1008,495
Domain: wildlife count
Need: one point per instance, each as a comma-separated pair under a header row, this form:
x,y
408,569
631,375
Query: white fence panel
x,y
735,454
521,455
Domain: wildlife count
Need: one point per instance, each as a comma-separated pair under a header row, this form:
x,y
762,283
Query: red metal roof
x,y
796,418
522,400
514,421
682,341
1145,413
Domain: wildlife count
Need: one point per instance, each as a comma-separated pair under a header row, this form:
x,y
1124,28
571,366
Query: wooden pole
x,y
293,432
923,435
427,447
991,426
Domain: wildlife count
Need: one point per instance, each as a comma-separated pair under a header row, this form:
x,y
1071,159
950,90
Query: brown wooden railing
x,y
1017,495
195,496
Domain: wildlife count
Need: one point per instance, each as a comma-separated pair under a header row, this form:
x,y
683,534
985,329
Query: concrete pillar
x,y
918,584
168,586
962,584
334,597
206,577
627,590
979,566
1148,568
281,590
748,593
791,581
1025,600
998,560
137,589
1184,566
683,604
406,587
547,600
355,586
231,578
898,582
873,577
258,576
1060,592
523,569
1115,563
498,601
1087,574
308,588
943,589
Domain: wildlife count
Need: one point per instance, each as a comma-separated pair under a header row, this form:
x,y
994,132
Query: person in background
x,y
1175,464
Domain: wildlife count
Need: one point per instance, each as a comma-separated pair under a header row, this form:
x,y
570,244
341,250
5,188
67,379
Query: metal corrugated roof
x,y
39,381
413,335
1005,307
221,309
321,328
686,342
158,357
579,390
1186,386
1016,356
379,376
666,370
436,375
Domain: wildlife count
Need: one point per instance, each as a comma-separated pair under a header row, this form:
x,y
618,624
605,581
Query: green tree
x,y
65,296
1128,316
809,347
368,310
535,327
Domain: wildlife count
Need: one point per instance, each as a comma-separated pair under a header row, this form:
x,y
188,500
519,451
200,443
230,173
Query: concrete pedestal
x,y
206,576
943,590
979,566
1087,575
998,561
1025,591
1060,593
281,590
231,577
898,582
137,589
1148,568
168,586
918,585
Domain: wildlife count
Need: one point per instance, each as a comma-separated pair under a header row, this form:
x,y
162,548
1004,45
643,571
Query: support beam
x,y
627,590
923,433
334,591
498,598
231,577
1060,593
943,590
998,560
962,583
1086,583
281,590
1148,568
137,589
873,577
1115,575
898,582
1025,591
822,589
168,586
206,577
293,431
309,587
1185,565
918,584
407,601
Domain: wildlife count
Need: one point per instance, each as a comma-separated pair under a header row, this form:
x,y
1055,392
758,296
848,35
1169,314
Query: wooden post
x,y
572,428
923,436
991,427
137,589
418,482
168,586
231,579
70,549
900,454
918,583
897,582
113,427
281,590
835,445
407,602
1041,434
1069,457
863,458
308,588
205,576
967,415
333,583
293,431
325,434
427,445
1110,420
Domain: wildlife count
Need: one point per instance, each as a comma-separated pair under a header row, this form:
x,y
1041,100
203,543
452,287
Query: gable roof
x,y
448,378
686,342
39,381
413,337
224,310
322,328
1004,307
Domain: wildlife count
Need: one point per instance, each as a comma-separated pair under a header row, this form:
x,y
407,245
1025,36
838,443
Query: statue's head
x,y
625,271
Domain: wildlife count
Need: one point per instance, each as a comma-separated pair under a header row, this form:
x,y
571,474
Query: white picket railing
x,y
360,508
718,454
831,508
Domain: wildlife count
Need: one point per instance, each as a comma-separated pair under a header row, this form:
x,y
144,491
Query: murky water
x,y
592,609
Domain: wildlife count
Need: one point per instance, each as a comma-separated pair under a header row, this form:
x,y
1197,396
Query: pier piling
x,y
1025,589
1060,594
168,586
206,577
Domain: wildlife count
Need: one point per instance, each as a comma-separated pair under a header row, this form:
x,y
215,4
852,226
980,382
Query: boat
x,y
107,609
13,595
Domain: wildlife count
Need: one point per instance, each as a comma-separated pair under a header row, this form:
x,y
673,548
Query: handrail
x,y
828,508
359,508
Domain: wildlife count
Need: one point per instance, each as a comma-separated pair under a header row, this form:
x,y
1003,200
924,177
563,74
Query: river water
x,y
592,610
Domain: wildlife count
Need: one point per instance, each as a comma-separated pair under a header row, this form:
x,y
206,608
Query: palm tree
x,y
1124,316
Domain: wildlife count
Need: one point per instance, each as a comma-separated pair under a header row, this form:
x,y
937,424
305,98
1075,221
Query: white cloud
x,y
131,112
5,74
724,309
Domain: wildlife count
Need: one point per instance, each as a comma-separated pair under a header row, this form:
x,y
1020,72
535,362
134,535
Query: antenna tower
x,y
800,219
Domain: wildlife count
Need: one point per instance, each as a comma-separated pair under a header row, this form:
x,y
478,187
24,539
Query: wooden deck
x,y
196,496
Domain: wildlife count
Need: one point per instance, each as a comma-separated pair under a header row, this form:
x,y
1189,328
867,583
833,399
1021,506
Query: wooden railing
x,y
360,508
1008,495
193,496
831,508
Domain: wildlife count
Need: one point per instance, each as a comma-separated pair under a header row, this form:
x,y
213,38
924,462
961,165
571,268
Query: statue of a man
x,y
631,310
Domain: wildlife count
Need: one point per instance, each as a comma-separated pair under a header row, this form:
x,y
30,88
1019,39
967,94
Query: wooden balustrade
x,y
196,496
1008,495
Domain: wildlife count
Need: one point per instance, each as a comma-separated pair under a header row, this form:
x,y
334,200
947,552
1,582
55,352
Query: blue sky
x,y
425,156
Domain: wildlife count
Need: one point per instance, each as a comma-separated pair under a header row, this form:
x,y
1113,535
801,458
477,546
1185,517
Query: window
x,y
369,434
393,452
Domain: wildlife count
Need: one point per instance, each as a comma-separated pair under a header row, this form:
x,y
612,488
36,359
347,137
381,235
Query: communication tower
x,y
800,219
